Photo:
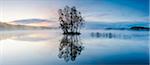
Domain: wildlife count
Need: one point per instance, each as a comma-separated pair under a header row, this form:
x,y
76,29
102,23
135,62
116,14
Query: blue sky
x,y
92,10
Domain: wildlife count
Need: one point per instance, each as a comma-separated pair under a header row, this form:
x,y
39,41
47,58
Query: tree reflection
x,y
70,47
112,35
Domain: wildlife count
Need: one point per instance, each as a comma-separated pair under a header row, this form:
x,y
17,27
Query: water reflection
x,y
70,47
114,35
103,35
41,47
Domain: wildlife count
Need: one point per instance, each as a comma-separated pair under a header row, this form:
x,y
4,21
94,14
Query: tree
x,y
70,20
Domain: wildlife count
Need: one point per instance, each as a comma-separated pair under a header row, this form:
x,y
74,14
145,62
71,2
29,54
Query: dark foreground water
x,y
92,47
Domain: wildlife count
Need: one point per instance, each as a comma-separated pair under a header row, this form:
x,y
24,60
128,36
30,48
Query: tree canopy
x,y
70,19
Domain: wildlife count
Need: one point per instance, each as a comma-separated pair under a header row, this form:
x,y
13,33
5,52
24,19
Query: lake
x,y
92,47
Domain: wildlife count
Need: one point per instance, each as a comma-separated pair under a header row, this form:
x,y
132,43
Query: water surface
x,y
92,47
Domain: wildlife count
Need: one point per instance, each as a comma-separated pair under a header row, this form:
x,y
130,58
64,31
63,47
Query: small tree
x,y
70,20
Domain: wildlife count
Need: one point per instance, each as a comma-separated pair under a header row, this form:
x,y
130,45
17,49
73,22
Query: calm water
x,y
92,47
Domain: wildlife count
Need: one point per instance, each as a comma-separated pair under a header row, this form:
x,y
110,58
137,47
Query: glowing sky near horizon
x,y
92,10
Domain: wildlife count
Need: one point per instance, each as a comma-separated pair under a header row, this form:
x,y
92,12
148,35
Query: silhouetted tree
x,y
70,19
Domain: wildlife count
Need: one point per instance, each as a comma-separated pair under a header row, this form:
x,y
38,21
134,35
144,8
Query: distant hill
x,y
139,28
28,21
36,22
5,26
118,25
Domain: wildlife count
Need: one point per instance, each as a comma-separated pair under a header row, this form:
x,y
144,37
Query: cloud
x,y
100,10
115,18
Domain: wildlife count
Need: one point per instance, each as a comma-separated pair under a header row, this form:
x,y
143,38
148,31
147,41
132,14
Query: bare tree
x,y
70,20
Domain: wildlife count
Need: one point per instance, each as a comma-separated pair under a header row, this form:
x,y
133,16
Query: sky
x,y
92,10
